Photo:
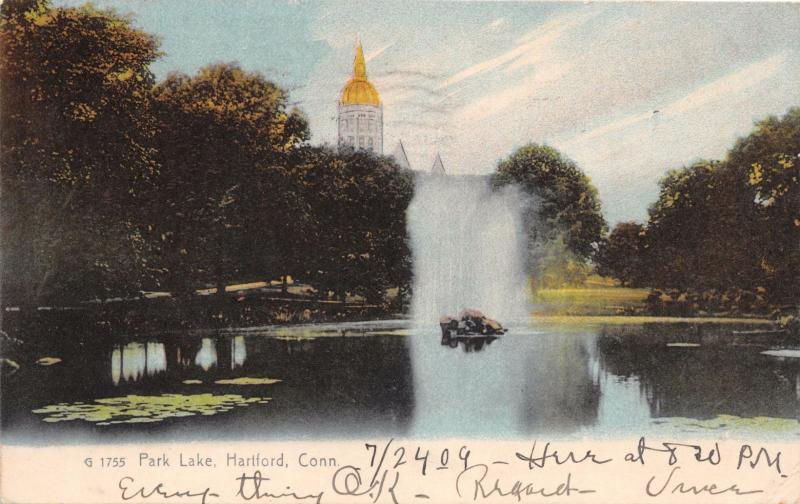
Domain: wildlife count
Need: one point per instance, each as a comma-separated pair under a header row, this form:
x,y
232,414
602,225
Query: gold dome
x,y
358,90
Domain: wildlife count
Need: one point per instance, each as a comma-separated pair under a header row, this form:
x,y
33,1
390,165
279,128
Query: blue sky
x,y
627,90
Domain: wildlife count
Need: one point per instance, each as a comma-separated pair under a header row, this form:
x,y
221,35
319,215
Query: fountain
x,y
468,247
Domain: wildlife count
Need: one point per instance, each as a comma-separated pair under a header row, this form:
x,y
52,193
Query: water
x,y
312,382
396,378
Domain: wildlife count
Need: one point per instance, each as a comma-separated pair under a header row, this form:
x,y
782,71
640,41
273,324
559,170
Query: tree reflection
x,y
701,382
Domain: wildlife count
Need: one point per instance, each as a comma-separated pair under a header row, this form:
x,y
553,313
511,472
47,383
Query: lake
x,y
387,378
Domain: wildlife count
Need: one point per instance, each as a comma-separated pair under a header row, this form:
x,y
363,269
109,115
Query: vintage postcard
x,y
399,252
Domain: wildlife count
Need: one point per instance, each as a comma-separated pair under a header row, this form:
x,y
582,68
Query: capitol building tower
x,y
360,110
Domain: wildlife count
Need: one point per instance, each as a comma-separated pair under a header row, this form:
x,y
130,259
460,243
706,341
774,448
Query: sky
x,y
626,90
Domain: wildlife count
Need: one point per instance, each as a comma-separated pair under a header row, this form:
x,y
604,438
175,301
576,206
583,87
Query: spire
x,y
400,156
358,90
359,65
438,166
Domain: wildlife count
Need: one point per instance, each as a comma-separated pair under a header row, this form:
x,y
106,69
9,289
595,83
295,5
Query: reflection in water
x,y
465,393
238,351
468,343
623,407
207,355
701,382
526,383
560,381
133,361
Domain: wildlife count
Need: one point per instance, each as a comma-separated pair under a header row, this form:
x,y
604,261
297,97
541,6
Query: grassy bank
x,y
592,299
601,303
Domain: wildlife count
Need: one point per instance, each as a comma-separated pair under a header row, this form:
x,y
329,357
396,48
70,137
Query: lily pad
x,y
48,361
142,409
247,380
734,423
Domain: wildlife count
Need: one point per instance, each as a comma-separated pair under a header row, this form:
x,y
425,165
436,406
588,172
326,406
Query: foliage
x,y
565,200
620,253
722,230
225,143
356,241
113,184
75,137
769,161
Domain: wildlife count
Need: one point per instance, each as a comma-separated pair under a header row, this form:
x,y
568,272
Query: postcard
x,y
399,252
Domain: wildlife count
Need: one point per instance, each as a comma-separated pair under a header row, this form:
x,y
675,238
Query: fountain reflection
x,y
465,393
560,382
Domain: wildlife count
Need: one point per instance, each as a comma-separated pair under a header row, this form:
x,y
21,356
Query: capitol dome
x,y
359,90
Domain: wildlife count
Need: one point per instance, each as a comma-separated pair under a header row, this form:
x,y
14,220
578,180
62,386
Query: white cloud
x,y
529,50
371,55
720,89
495,25
494,103
728,85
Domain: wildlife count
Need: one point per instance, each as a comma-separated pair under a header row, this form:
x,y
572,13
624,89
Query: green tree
x,y
702,231
621,254
226,193
768,162
356,242
75,134
719,225
565,202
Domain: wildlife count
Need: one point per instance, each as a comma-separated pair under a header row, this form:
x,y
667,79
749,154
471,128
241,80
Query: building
x,y
438,166
360,110
400,156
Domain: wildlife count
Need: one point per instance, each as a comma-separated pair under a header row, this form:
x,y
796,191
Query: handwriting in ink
x,y
539,461
474,482
250,487
347,481
126,484
713,456
684,488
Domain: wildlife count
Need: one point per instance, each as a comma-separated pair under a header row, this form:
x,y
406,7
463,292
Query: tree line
x,y
723,233
114,183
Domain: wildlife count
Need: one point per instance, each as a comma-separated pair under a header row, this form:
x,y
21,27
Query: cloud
x,y
493,103
718,90
728,85
495,25
371,55
529,51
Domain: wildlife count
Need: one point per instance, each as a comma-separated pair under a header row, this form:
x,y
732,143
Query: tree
x,y
565,202
700,232
356,242
621,254
732,224
75,137
768,161
224,198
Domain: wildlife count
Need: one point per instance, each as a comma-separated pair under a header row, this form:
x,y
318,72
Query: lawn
x,y
589,300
